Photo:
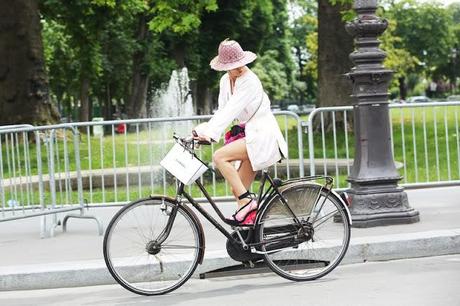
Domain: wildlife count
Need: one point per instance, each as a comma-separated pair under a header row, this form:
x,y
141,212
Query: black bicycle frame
x,y
181,192
270,192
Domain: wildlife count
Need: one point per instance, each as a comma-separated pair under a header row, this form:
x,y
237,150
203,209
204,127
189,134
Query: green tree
x,y
83,22
120,42
61,66
426,33
451,66
279,39
272,75
399,60
304,42
175,18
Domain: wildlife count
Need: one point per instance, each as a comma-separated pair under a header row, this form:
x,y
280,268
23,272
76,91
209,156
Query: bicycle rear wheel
x,y
137,257
308,254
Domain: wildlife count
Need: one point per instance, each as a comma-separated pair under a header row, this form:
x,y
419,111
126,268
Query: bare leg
x,y
246,174
239,181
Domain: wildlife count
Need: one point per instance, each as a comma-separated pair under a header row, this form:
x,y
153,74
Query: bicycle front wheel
x,y
138,254
310,251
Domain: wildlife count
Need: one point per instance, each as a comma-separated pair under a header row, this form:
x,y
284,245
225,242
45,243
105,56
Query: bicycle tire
x,y
307,258
145,273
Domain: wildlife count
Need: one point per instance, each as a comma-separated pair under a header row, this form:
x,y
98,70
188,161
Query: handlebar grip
x,y
204,142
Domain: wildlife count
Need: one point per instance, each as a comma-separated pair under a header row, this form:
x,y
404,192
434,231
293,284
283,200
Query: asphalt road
x,y
422,281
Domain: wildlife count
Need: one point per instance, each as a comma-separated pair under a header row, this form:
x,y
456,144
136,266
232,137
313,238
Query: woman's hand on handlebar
x,y
204,140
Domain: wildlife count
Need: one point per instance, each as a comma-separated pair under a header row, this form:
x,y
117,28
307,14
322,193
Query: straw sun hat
x,y
231,56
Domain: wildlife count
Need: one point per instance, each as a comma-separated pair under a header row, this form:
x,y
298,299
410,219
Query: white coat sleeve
x,y
247,91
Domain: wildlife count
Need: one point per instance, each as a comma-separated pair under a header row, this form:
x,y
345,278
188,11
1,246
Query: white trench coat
x,y
264,140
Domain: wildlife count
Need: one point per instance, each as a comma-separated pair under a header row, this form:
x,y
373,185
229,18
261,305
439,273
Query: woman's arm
x,y
248,90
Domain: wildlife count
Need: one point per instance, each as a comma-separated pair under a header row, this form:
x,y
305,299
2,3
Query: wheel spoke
x,y
324,219
304,257
131,254
177,246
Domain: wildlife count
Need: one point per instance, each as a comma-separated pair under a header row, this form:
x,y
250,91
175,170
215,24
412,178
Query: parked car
x,y
65,119
397,101
418,99
453,98
275,108
293,108
307,108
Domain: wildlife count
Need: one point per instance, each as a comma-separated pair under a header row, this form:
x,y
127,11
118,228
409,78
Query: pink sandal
x,y
245,215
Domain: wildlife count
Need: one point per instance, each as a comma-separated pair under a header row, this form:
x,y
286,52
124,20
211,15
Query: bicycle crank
x,y
236,250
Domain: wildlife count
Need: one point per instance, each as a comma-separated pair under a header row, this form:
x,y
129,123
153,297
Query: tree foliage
x,y
426,32
304,42
272,75
108,56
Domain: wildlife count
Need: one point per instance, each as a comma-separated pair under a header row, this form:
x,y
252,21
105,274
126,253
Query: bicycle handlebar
x,y
190,140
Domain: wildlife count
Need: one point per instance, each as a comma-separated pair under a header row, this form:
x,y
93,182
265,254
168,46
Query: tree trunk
x,y
334,47
84,100
69,111
135,107
203,99
23,84
60,108
108,108
302,78
90,108
402,88
179,55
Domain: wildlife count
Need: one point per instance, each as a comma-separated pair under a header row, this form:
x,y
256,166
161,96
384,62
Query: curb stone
x,y
363,249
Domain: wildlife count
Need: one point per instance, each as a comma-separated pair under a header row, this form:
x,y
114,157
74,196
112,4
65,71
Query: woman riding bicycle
x,y
257,142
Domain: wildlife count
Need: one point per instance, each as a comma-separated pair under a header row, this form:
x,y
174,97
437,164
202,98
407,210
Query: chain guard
x,y
236,251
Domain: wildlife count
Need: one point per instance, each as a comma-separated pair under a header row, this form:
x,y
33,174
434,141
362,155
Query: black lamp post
x,y
376,198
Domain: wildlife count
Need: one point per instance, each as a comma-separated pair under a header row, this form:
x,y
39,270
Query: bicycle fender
x,y
195,219
345,206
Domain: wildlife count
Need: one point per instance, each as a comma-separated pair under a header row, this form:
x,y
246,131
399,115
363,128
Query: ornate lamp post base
x,y
381,208
375,196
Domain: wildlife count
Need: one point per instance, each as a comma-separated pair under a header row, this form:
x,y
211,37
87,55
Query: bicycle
x,y
152,246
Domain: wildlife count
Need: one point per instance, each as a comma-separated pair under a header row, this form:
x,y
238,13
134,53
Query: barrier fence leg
x,y
82,215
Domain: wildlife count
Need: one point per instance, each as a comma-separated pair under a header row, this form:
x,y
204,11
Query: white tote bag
x,y
183,165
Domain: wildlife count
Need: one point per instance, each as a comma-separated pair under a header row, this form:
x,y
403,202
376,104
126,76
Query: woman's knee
x,y
218,157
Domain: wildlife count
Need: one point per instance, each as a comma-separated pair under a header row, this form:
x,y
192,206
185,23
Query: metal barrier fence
x,y
60,168
425,143
35,176
118,167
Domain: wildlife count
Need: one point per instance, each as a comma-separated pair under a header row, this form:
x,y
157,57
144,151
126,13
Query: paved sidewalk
x,y
75,258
